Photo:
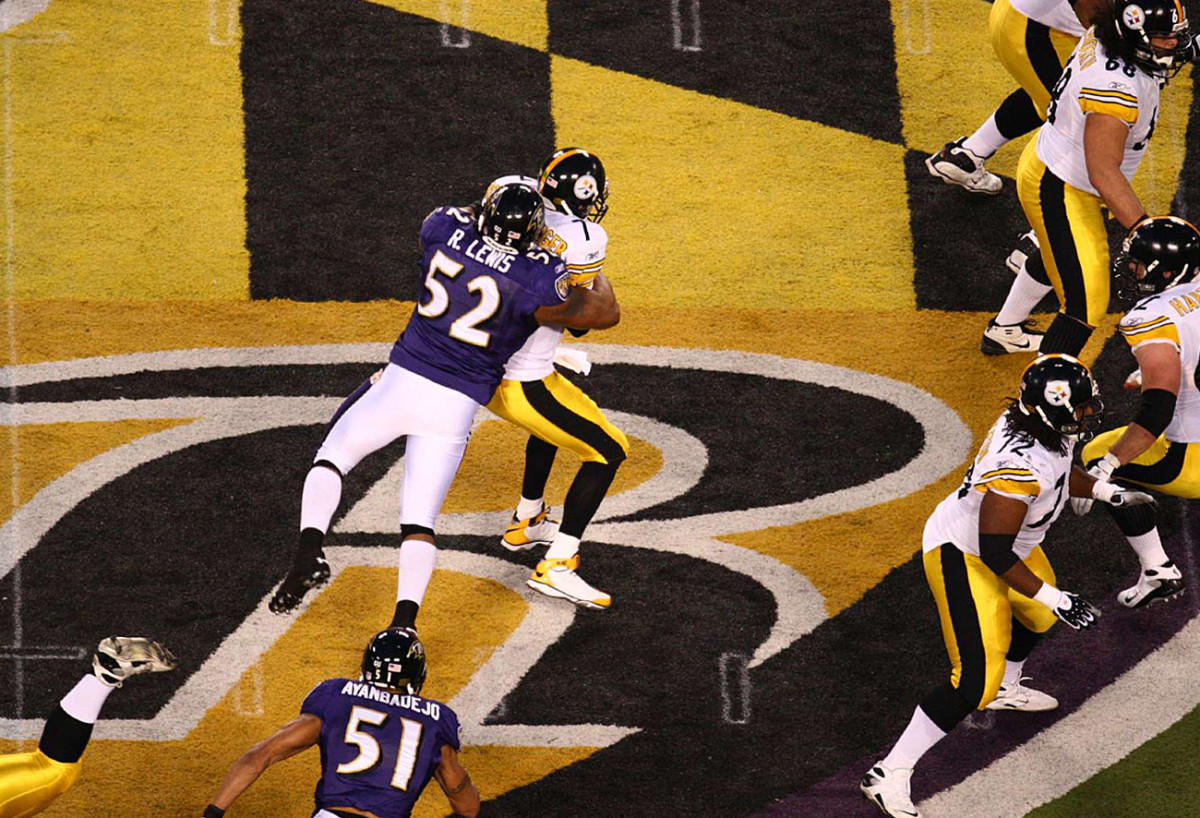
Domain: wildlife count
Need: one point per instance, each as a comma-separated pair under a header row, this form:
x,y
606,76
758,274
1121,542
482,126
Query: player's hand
x,y
1077,612
1122,497
1134,381
1102,469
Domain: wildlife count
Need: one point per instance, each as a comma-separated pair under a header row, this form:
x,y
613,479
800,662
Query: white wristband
x,y
1049,596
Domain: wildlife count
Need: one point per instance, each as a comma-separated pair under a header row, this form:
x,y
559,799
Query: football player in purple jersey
x,y
380,740
487,288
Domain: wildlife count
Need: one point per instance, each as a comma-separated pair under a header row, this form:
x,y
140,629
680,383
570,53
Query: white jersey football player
x,y
993,586
1157,265
1100,121
557,413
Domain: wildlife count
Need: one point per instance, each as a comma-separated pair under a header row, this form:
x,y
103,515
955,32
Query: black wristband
x,y
996,551
213,811
1158,407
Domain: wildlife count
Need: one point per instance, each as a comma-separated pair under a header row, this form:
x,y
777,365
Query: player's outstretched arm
x,y
454,781
294,737
594,308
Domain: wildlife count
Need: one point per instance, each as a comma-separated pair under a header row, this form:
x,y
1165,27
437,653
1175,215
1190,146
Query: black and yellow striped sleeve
x,y
1009,480
1159,329
1114,103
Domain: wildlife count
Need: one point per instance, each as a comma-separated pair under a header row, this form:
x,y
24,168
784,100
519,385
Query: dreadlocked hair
x,y
1105,23
1031,427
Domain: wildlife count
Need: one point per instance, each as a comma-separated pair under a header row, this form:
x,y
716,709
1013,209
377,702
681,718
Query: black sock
x,y
1065,335
1023,642
1017,115
406,614
539,459
585,496
64,738
1037,269
311,540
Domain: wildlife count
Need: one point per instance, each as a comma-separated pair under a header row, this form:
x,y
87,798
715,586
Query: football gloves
x,y
1076,611
1107,492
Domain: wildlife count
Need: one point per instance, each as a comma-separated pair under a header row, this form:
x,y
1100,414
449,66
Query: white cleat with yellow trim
x,y
1017,696
522,535
557,578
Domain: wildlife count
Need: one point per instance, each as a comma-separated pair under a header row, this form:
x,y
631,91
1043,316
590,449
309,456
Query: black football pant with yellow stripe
x,y
984,623
29,782
558,414
1069,224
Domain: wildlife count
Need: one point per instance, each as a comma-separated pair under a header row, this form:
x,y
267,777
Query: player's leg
x,y
1031,620
365,422
29,782
976,622
1172,468
530,524
560,413
1074,251
433,452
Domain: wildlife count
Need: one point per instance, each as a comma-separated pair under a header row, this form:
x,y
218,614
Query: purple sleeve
x,y
550,285
451,732
315,702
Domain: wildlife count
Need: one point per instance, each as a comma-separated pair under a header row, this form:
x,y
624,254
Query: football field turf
x,y
211,211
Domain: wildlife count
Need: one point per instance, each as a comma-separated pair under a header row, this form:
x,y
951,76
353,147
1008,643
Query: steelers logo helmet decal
x,y
1058,393
586,187
1134,17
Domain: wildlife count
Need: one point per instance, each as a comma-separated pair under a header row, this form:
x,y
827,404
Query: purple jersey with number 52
x,y
378,748
477,308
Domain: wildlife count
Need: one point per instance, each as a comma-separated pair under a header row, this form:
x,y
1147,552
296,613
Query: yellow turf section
x,y
125,190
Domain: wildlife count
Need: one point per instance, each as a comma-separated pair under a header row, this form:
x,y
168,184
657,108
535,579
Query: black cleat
x,y
305,575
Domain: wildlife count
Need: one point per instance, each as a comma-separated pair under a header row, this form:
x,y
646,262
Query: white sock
x,y
1023,296
987,140
1149,549
915,741
562,547
1012,671
416,569
527,508
322,493
84,701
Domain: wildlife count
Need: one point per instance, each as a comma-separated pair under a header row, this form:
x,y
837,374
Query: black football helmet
x,y
1139,20
395,658
573,181
1168,246
1062,392
512,218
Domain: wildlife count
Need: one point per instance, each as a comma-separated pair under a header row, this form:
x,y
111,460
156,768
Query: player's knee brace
x,y
1133,520
409,529
1066,335
946,706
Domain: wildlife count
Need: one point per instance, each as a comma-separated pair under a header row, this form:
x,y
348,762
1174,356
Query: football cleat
x,y
557,578
955,165
306,574
522,535
1019,697
1001,339
1154,585
1027,245
119,657
889,790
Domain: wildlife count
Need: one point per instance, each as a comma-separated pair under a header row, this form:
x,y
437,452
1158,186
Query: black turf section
x,y
358,123
770,54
